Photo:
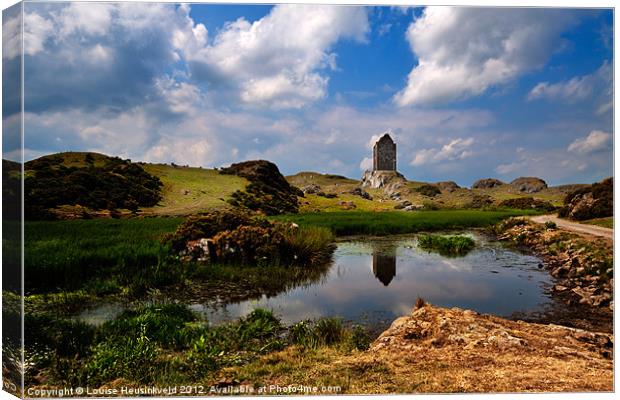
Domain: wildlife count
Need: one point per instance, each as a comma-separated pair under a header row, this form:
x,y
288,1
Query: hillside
x,y
189,190
73,185
450,196
182,190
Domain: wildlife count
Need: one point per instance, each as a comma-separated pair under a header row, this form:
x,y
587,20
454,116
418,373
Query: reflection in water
x,y
490,279
384,263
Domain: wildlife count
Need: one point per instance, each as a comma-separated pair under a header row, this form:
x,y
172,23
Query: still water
x,y
373,281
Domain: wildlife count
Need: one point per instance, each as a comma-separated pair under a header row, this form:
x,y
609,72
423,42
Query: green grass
x,y
69,254
447,245
398,222
190,190
607,222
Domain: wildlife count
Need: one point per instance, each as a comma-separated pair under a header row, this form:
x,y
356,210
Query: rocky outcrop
x,y
584,268
448,186
593,201
361,193
488,183
484,353
312,189
268,192
526,184
380,179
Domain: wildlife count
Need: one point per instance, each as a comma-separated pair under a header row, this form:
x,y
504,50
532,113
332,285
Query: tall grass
x,y
308,245
397,222
447,245
67,254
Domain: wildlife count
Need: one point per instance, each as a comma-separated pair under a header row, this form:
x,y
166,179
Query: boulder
x,y
312,189
447,186
594,201
361,193
528,184
487,183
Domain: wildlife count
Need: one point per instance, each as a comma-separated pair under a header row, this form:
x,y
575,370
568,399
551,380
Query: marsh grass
x,y
447,245
70,254
398,222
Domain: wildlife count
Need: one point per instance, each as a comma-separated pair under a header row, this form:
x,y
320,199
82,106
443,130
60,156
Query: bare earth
x,y
575,226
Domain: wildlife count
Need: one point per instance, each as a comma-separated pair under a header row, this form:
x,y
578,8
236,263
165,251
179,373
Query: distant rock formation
x,y
381,179
488,183
448,186
528,184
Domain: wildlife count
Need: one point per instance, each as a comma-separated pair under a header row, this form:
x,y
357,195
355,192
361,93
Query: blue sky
x,y
467,93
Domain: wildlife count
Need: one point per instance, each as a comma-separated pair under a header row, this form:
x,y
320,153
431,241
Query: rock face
x,y
361,193
488,183
380,179
448,186
312,189
526,184
594,201
476,349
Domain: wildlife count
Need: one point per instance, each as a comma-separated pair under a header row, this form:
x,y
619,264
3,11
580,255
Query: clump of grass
x,y
308,245
550,225
329,332
447,245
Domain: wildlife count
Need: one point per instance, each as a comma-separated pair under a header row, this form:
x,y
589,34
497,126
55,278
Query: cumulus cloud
x,y
595,141
276,61
463,51
456,149
597,86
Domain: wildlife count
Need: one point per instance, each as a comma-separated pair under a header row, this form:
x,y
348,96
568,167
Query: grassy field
x,y
189,190
396,222
607,222
67,254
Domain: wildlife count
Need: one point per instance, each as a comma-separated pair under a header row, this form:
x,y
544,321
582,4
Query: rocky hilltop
x,y
484,353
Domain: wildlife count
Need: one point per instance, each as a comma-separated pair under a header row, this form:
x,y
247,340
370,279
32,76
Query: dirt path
x,y
575,226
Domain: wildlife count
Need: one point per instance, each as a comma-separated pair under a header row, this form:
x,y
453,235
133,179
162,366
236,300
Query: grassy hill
x,y
189,190
459,198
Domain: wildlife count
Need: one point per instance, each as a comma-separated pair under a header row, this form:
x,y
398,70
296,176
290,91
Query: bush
x,y
524,203
550,225
112,183
428,190
447,245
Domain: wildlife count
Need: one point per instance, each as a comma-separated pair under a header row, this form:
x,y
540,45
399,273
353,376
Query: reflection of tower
x,y
384,265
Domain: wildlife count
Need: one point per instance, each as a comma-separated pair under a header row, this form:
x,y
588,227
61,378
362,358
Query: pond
x,y
372,281
375,280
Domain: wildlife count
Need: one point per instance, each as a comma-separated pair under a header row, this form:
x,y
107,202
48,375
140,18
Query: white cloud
x,y
463,51
596,87
36,32
84,18
276,61
595,141
181,97
456,149
366,163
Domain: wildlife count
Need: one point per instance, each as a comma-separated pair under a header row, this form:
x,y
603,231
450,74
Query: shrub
x,y
447,245
428,190
207,225
524,203
550,225
112,183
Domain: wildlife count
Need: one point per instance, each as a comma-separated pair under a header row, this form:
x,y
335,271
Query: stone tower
x,y
384,154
